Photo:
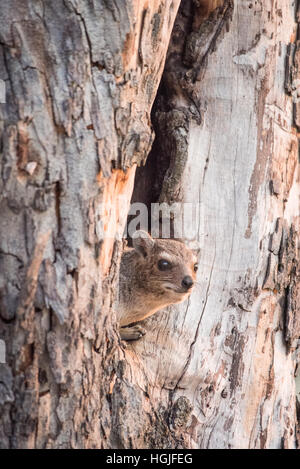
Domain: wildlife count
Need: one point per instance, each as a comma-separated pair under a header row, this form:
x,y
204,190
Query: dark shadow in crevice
x,y
149,178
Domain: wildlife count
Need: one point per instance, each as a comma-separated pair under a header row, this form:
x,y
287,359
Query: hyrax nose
x,y
187,282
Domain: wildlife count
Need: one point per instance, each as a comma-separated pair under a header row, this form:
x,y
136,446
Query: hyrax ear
x,y
194,246
142,242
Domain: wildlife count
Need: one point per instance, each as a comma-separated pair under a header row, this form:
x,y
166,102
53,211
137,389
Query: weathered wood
x,y
81,78
234,150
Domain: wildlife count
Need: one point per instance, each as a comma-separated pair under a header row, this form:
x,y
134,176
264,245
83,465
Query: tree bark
x,y
81,78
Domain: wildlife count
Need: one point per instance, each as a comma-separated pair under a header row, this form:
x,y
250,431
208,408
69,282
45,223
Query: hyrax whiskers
x,y
154,273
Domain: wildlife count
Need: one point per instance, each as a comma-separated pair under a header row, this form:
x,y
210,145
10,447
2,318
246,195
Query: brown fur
x,y
144,289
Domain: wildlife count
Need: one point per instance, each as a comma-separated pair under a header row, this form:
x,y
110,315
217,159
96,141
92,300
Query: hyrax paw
x,y
132,333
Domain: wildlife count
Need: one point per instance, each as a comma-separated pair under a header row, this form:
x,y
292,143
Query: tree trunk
x,y
81,78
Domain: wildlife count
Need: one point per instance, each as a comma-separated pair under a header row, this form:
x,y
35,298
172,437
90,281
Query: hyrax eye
x,y
195,267
163,264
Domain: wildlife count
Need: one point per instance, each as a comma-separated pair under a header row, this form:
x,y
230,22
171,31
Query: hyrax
x,y
153,274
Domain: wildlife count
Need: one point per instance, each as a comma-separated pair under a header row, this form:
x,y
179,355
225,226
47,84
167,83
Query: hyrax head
x,y
166,267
